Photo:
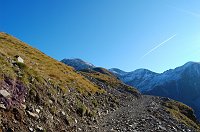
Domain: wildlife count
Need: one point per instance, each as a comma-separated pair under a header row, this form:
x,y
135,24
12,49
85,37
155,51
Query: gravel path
x,y
142,115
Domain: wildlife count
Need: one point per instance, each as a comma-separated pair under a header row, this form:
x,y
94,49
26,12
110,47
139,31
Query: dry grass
x,y
109,79
42,65
182,113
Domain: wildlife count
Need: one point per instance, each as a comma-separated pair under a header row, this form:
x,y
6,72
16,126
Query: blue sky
x,y
127,34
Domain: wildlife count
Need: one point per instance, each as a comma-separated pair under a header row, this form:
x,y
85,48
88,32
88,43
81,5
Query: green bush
x,y
81,110
95,103
21,65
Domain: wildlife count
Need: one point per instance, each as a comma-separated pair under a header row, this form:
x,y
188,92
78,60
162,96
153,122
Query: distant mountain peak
x,y
117,71
143,71
191,63
78,64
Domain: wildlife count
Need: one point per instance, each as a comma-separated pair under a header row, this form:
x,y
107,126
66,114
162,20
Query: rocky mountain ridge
x,y
78,64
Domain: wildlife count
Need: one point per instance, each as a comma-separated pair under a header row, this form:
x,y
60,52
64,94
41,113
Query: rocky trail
x,y
142,115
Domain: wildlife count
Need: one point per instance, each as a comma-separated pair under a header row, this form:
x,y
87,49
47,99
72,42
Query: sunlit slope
x,y
40,65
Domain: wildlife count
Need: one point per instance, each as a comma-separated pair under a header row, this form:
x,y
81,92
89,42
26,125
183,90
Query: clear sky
x,y
127,34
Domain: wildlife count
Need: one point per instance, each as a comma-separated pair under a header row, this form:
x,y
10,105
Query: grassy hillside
x,y
182,113
44,93
37,63
102,75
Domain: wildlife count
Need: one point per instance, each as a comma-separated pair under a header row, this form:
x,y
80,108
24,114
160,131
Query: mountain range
x,y
41,94
181,84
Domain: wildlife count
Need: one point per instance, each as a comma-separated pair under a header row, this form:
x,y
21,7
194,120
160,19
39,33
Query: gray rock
x,y
40,128
37,110
19,59
162,128
23,106
50,101
34,115
4,93
63,113
31,129
2,106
